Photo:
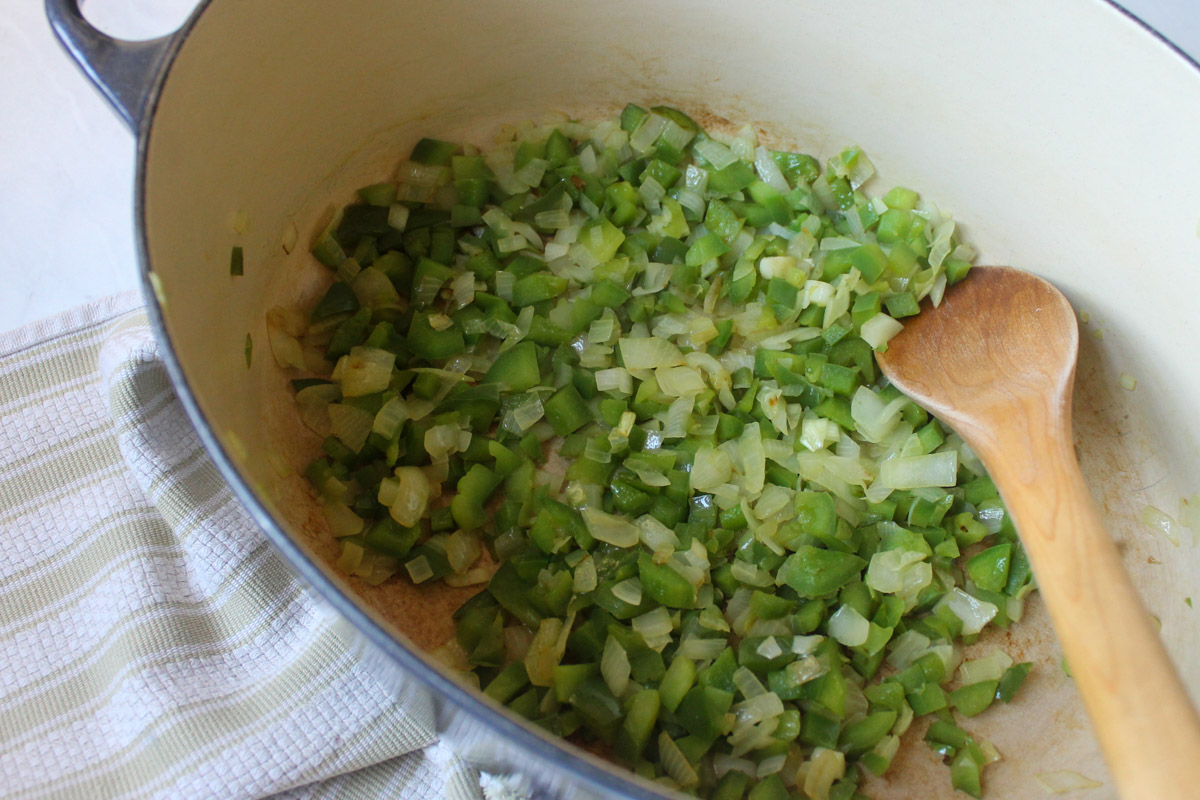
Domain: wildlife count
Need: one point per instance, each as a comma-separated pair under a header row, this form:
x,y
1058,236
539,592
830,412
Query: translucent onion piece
x,y
674,763
412,496
823,769
973,612
350,558
649,353
629,591
1065,780
614,667
849,627
545,652
699,649
350,424
612,529
364,370
342,521
653,624
988,668
906,647
935,469
1160,522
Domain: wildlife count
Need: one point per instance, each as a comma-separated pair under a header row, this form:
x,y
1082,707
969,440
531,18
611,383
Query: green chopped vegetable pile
x,y
621,377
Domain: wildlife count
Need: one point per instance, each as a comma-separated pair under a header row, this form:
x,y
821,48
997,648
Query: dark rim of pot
x,y
600,774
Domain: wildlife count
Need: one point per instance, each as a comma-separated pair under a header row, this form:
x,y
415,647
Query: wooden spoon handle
x,y
1143,718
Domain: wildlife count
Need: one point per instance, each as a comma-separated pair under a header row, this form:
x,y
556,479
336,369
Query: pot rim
x,y
599,773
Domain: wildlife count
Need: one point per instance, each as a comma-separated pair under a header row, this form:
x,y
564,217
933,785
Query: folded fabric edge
x,y
79,318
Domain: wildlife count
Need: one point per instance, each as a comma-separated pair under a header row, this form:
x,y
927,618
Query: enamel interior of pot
x,y
1050,158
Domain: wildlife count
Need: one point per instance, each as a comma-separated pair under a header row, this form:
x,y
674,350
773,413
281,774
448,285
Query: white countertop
x,y
66,175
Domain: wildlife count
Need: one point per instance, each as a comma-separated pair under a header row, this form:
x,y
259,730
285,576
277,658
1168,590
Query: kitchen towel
x,y
152,643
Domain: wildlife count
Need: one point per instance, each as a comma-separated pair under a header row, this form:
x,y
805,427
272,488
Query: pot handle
x,y
123,71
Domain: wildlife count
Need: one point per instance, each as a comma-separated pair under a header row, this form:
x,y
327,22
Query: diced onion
x,y
1189,513
849,627
902,572
768,171
1159,521
699,649
973,612
504,284
674,763
750,574
545,651
824,768
651,193
752,736
342,521
522,418
611,529
1064,780
419,570
614,667
874,418
711,618
364,370
769,648
679,381
758,708
806,669
748,683
442,441
351,557
398,216
462,548
391,416
647,133
805,645
615,379
879,330
649,353
678,417
350,424
313,402
412,496
421,174
374,289
710,469
472,577
714,153
935,469
906,647
723,763
584,579
628,591
654,279
653,624
754,459
463,289
988,668
284,347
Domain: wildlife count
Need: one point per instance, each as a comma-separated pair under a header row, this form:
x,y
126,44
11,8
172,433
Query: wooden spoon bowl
x,y
996,361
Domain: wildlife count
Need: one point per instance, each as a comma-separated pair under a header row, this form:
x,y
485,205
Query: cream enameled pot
x,y
1063,136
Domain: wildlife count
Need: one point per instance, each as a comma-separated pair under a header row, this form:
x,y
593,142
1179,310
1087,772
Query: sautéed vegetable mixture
x,y
620,375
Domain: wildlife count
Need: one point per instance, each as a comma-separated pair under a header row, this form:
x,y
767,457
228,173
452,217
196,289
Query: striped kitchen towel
x,y
152,644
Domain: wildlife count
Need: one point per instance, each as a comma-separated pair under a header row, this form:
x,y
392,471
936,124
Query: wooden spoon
x,y
996,361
